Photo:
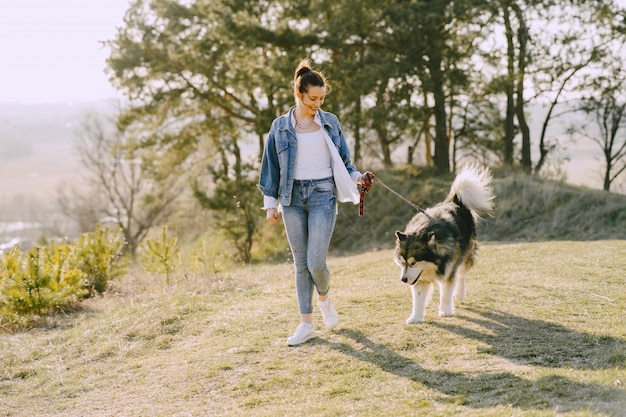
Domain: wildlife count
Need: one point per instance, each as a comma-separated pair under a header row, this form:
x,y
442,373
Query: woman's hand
x,y
366,179
272,215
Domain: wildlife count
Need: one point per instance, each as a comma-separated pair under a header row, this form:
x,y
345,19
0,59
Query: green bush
x,y
99,255
40,282
52,277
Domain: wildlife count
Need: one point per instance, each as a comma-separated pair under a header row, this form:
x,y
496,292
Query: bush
x,y
40,282
99,255
52,277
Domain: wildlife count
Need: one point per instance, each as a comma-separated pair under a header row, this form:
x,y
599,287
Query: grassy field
x,y
542,333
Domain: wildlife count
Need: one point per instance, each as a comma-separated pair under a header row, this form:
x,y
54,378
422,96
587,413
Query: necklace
x,y
301,127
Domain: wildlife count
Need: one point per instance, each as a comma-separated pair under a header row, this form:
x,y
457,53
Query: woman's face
x,y
312,100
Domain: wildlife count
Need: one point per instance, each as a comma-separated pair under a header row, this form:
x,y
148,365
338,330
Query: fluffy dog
x,y
439,244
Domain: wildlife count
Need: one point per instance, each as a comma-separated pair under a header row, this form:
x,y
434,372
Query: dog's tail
x,y
473,187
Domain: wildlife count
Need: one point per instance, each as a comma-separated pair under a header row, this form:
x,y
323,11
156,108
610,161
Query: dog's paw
x,y
414,320
446,312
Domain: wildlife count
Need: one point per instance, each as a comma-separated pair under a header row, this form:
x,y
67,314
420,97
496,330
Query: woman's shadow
x,y
507,333
539,343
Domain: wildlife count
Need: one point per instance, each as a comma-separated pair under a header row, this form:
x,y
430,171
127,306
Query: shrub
x,y
160,255
99,254
40,282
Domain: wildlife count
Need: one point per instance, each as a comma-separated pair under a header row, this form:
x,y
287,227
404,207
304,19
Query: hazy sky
x,y
50,50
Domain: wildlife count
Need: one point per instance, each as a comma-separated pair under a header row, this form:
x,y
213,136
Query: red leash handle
x,y
364,190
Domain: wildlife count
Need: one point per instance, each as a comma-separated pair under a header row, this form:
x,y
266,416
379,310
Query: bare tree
x,y
608,113
117,189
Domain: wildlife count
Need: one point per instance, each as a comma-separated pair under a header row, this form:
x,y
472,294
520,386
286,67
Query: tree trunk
x,y
509,124
357,133
522,38
386,150
442,145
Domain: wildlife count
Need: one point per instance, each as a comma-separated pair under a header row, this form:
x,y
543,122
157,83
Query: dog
x,y
439,244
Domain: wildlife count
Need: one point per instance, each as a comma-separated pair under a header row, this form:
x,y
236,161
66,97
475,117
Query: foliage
x,y
40,282
100,255
127,187
193,67
235,203
437,82
51,277
160,255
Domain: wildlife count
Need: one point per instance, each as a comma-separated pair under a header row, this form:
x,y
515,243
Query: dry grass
x,y
542,333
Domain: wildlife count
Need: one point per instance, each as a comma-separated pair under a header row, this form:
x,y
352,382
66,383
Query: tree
x,y
205,80
121,185
608,112
564,61
232,195
533,51
424,36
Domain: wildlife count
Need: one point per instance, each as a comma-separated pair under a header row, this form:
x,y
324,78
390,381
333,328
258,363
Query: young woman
x,y
305,170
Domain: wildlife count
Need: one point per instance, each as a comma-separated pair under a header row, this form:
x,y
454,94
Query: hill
x,y
527,209
541,333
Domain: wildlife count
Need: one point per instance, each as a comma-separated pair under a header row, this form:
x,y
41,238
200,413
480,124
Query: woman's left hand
x,y
367,179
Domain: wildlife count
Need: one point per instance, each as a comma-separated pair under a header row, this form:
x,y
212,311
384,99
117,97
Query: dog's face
x,y
417,257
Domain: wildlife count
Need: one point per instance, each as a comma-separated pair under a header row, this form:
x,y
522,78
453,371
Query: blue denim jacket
x,y
279,156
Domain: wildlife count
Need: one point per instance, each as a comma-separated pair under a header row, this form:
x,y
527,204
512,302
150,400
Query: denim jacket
x,y
279,156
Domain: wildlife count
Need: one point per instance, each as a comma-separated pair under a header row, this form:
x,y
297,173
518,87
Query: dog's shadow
x,y
488,389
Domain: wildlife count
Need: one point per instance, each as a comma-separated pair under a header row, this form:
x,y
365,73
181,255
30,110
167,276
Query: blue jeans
x,y
309,223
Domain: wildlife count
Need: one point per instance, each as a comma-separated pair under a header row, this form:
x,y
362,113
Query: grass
x,y
541,333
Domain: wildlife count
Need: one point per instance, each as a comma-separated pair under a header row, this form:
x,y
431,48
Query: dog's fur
x,y
440,245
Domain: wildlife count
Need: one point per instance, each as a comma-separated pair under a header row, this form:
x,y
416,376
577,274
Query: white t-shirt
x,y
313,157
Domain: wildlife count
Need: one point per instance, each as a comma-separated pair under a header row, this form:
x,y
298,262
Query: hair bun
x,y
302,70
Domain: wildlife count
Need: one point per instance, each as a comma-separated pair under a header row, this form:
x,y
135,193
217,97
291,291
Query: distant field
x,y
42,172
36,156
45,135
542,333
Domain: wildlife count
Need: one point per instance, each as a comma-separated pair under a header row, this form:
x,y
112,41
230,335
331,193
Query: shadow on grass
x,y
537,342
488,389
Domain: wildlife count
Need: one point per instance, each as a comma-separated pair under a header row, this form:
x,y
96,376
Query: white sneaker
x,y
329,314
304,332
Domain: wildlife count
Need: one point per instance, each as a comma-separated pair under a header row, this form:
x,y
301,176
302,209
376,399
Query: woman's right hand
x,y
272,215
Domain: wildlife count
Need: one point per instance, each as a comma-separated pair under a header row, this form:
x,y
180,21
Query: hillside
x,y
527,209
541,334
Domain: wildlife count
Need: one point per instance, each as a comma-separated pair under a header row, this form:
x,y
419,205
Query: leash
x,y
365,189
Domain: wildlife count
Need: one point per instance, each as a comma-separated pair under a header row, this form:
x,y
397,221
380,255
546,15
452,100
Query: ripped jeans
x,y
309,224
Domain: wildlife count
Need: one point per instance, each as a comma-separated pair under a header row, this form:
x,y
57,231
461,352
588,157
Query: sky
x,y
50,50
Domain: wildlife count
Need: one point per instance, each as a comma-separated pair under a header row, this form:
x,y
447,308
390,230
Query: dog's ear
x,y
400,236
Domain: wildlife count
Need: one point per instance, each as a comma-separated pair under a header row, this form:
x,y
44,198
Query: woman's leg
x,y
296,227
321,223
322,217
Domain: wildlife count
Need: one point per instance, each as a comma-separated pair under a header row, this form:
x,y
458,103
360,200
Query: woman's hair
x,y
305,77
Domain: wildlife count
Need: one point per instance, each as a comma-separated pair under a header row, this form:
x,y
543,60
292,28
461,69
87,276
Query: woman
x,y
305,169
